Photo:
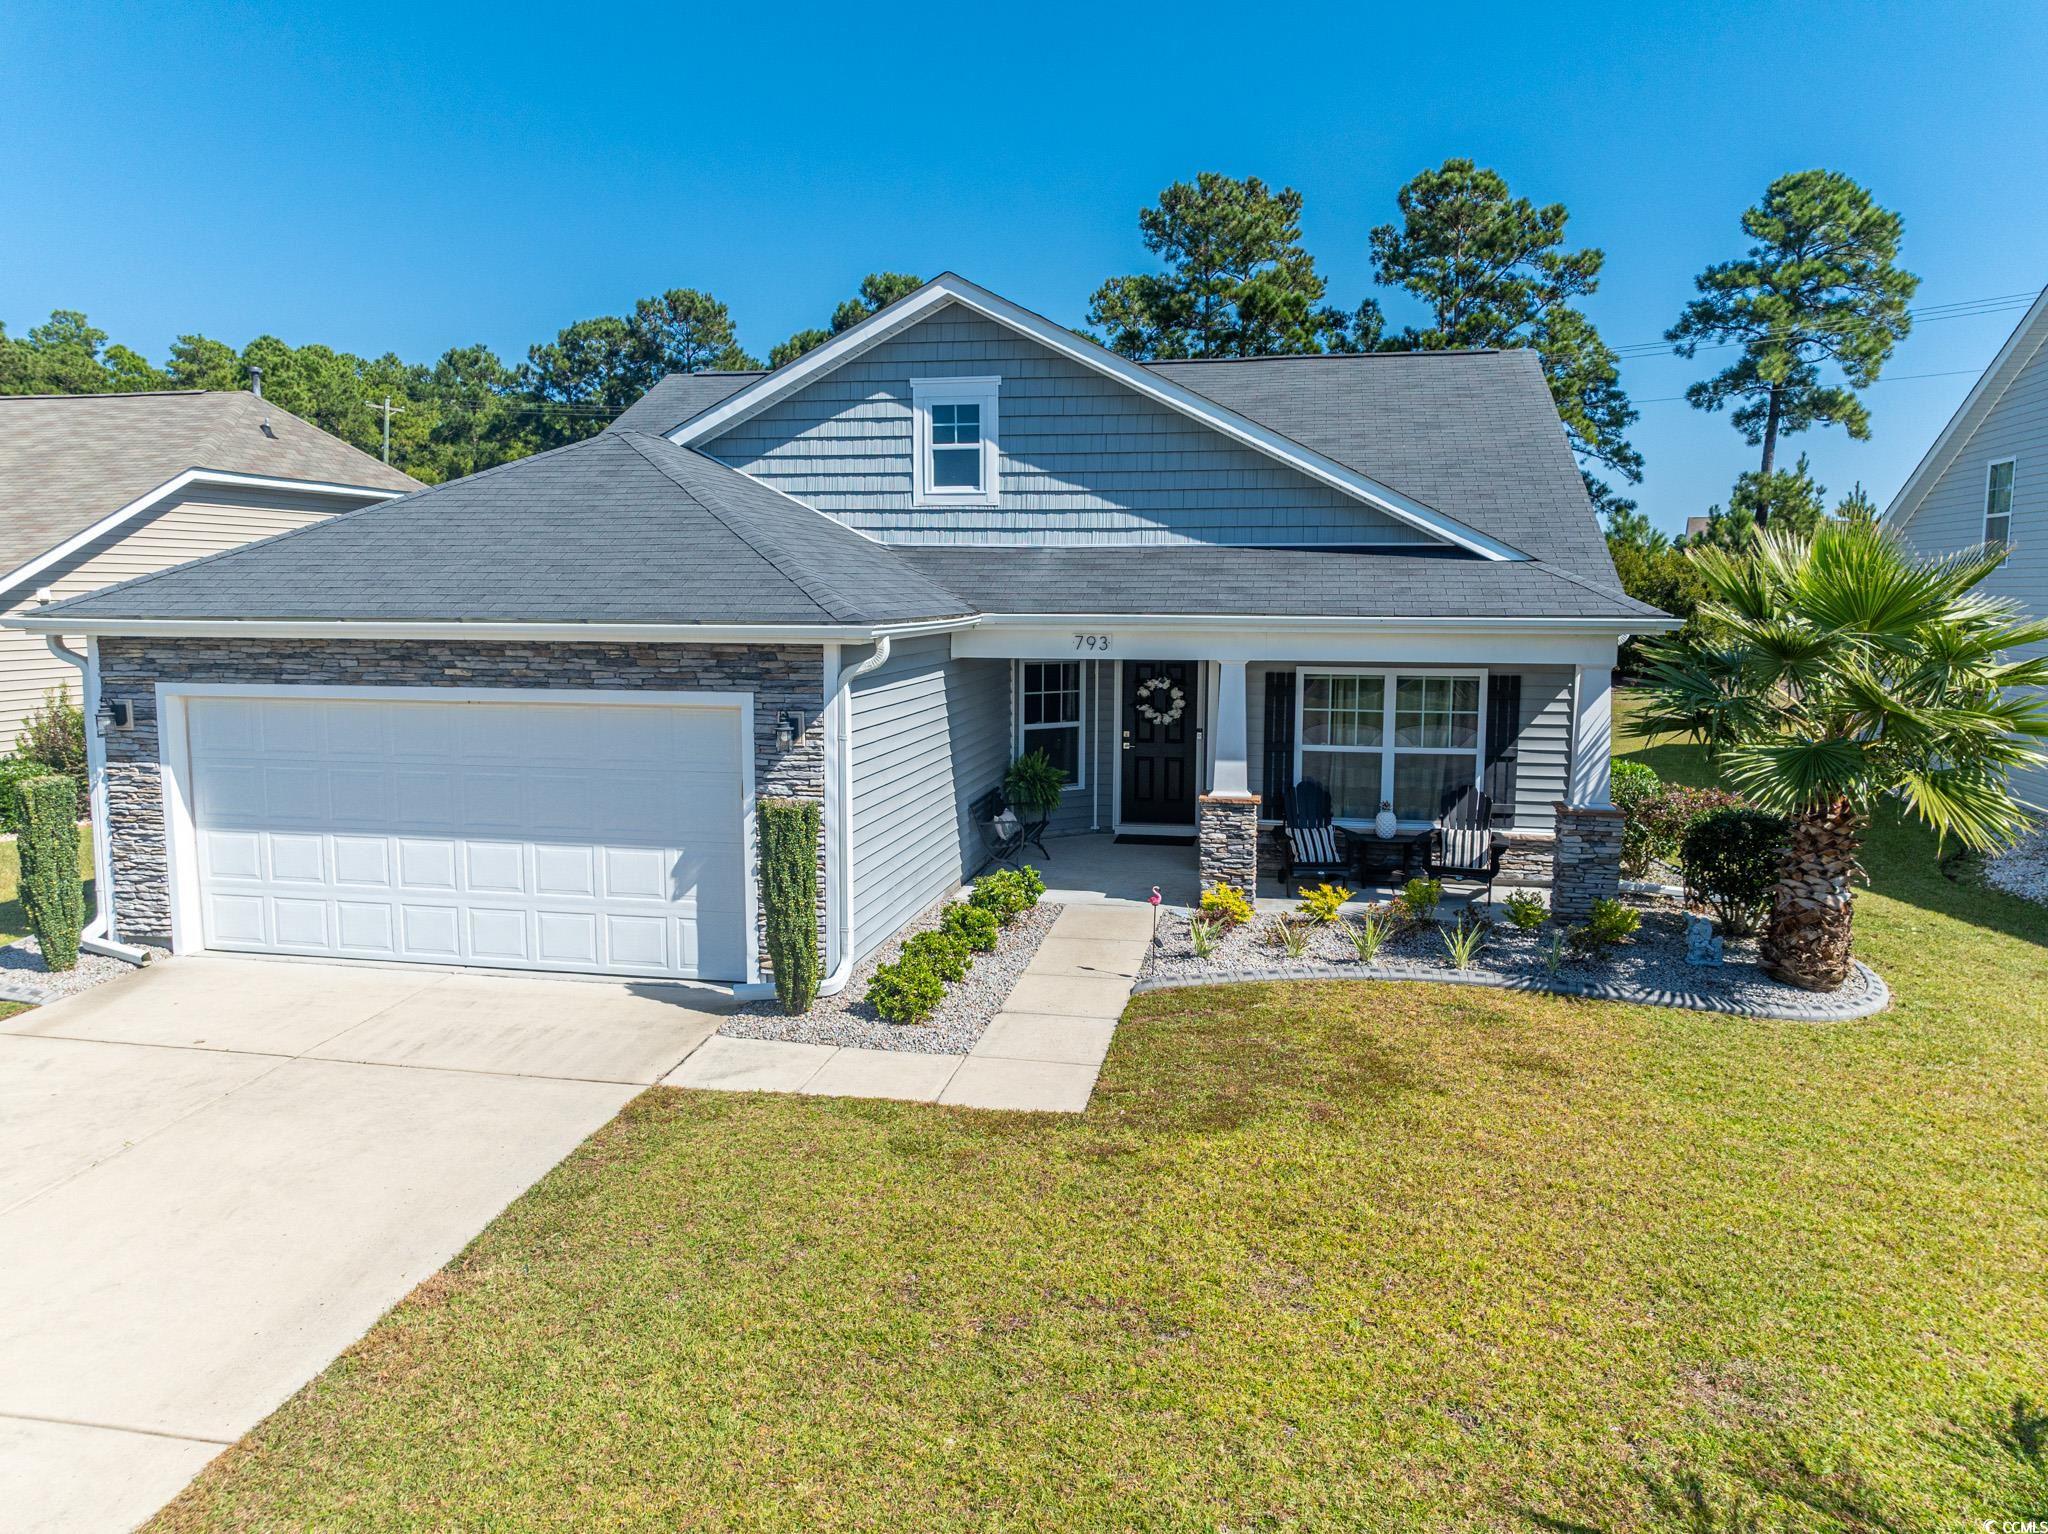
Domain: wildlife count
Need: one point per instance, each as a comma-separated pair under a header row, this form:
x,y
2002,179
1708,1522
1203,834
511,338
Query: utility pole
x,y
389,410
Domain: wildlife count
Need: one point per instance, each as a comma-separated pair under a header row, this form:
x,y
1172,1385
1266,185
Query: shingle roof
x,y
1471,434
620,528
1324,583
68,460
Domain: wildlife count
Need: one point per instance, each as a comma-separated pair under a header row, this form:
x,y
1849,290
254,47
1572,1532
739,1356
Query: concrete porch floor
x,y
1095,866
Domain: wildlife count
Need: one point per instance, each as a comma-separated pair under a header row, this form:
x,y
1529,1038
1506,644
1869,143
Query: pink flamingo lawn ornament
x,y
1154,902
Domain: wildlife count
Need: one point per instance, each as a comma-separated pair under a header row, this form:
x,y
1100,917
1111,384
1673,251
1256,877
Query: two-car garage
x,y
595,833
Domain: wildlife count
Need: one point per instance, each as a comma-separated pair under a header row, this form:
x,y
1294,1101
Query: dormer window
x,y
956,440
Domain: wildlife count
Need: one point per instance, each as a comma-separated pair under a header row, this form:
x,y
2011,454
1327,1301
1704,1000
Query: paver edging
x,y
1877,995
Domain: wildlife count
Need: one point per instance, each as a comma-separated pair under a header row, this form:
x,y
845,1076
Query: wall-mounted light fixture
x,y
789,729
114,714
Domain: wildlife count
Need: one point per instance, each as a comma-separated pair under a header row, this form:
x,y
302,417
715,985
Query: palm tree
x,y
1825,672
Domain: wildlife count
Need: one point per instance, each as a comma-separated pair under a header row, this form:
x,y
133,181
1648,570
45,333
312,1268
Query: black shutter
x,y
1279,773
1503,738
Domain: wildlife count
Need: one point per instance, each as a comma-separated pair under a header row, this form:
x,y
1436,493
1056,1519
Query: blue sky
x,y
411,178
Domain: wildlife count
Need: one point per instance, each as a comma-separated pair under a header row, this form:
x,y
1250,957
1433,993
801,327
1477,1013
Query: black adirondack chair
x,y
1465,845
1316,847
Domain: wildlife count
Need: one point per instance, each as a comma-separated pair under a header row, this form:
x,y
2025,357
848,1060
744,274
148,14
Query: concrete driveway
x,y
216,1174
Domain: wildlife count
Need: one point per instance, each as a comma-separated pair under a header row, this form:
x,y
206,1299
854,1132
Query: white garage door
x,y
604,838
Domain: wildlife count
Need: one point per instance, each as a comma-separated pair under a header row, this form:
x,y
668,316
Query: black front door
x,y
1159,708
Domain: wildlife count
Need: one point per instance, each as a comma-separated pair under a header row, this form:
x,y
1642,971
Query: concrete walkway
x,y
216,1174
1040,1054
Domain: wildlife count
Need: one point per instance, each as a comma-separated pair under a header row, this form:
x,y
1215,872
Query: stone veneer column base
x,y
1587,858
1229,837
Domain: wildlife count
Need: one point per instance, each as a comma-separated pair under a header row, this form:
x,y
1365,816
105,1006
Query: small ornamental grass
x,y
1324,903
1369,935
1202,935
1464,939
1293,937
1554,953
1525,910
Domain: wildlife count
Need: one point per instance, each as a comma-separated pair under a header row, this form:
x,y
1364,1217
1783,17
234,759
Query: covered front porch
x,y
1204,750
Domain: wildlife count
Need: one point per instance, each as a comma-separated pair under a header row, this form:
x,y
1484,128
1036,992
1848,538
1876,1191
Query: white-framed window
x,y
1052,715
1998,480
1414,738
956,440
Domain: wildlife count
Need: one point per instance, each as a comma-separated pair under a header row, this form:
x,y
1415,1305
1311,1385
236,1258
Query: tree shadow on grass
x,y
2003,1448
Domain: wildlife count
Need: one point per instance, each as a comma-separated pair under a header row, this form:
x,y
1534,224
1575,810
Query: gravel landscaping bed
x,y
23,978
2023,871
1649,968
969,1006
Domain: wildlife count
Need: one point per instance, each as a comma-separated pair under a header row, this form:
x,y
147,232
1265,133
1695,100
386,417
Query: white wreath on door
x,y
1176,704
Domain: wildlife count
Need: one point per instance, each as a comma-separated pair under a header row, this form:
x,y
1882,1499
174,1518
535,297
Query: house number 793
x,y
1095,643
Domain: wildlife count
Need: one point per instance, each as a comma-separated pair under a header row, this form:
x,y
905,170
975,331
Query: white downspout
x,y
841,767
98,936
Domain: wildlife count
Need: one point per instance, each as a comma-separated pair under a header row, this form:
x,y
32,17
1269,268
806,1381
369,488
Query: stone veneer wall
x,y
1588,859
782,678
1229,837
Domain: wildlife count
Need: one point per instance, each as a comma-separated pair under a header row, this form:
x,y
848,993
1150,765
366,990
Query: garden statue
x,y
1702,942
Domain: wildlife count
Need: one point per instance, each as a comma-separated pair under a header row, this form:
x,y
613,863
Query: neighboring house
x,y
97,489
1985,480
524,719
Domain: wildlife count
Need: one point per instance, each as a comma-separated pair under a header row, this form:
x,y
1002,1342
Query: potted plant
x,y
1032,788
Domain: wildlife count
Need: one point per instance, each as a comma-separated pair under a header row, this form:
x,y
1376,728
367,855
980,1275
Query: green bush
x,y
1608,922
940,952
1525,910
1633,785
1226,904
1421,897
1033,785
1731,860
1324,903
1006,892
52,894
15,771
971,925
789,897
1659,824
906,991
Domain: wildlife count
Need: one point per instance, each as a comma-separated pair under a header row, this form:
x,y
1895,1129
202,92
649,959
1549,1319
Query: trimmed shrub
x,y
1525,911
906,991
971,925
1227,904
789,897
1324,903
1661,819
1632,785
1421,897
1608,922
1029,881
1003,894
943,954
52,894
1731,860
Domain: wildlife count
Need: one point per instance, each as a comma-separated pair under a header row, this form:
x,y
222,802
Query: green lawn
x,y
1317,1257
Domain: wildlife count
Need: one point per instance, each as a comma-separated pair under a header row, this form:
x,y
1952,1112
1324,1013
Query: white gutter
x,y
842,767
98,936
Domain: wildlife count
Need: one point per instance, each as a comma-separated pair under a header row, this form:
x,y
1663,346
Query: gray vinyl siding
x,y
1951,515
1543,743
1083,459
930,734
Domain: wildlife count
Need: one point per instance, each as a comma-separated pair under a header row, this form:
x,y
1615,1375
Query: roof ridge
x,y
802,583
1371,356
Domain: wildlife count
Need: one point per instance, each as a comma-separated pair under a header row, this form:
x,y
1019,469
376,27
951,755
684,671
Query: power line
x,y
1665,399
1961,309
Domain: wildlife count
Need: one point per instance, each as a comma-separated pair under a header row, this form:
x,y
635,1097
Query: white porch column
x,y
1233,772
1592,736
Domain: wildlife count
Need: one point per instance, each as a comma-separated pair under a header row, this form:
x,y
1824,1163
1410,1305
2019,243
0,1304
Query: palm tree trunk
x,y
1806,942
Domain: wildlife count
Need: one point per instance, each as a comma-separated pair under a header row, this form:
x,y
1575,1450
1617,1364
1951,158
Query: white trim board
x,y
30,569
174,763
347,628
949,287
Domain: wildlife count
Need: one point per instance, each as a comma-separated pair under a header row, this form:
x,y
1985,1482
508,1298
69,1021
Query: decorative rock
x,y
1229,836
1702,943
